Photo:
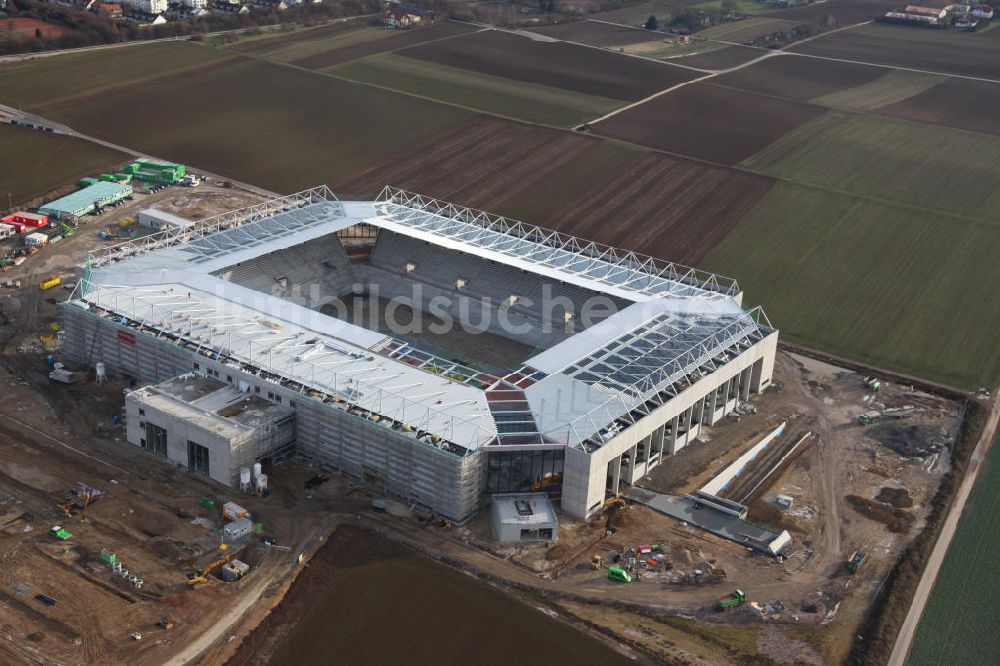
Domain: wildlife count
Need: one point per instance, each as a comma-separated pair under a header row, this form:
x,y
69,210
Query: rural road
x,y
926,585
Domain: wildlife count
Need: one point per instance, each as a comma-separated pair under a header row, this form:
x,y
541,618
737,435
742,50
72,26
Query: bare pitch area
x,y
556,64
709,123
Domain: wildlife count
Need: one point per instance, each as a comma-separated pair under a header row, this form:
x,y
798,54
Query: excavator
x,y
201,579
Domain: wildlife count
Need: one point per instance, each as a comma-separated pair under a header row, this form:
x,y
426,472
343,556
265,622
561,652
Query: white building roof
x,y
681,321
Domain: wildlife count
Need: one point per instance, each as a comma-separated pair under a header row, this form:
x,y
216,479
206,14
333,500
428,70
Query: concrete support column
x,y
670,438
614,471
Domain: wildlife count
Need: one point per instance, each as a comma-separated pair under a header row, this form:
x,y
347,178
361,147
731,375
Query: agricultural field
x,y
714,56
955,628
391,41
947,52
47,162
746,30
288,47
799,78
912,164
895,86
964,104
557,64
637,14
894,286
596,33
671,208
514,99
709,123
45,82
836,13
308,129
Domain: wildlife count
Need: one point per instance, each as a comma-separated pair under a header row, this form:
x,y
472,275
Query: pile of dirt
x,y
896,520
897,497
911,441
556,553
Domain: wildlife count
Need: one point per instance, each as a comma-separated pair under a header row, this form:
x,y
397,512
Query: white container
x,y
257,469
245,478
262,483
101,372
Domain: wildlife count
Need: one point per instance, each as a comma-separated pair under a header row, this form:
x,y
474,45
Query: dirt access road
x,y
926,585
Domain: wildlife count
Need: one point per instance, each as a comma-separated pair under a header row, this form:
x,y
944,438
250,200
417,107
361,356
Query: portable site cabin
x,y
36,239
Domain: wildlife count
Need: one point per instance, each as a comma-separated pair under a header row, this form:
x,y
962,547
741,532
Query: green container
x,y
619,574
207,503
108,557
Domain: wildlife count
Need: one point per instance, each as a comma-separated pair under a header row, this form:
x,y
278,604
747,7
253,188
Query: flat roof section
x,y
86,197
210,404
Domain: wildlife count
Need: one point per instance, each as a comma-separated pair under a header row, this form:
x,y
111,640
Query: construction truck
x,y
552,479
616,503
201,579
868,418
737,598
855,561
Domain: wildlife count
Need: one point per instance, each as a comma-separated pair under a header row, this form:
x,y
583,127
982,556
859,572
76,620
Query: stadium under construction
x,y
526,360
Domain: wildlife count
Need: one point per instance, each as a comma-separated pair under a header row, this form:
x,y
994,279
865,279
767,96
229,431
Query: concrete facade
x,y
590,477
440,481
519,518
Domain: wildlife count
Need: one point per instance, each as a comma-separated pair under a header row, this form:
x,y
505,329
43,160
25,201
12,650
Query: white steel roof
x,y
577,393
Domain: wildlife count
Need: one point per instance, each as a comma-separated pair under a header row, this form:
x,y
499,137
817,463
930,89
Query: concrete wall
x,y
664,431
179,431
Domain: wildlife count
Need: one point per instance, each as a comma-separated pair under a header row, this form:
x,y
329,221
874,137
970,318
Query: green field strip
x,y
956,628
883,284
492,94
914,164
61,78
288,50
892,88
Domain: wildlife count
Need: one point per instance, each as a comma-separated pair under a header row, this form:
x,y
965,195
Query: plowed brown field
x,y
799,78
709,123
644,201
970,105
940,51
844,12
598,34
401,40
556,64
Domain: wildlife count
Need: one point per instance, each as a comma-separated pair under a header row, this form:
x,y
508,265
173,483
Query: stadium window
x,y
256,389
229,378
197,366
142,412
270,395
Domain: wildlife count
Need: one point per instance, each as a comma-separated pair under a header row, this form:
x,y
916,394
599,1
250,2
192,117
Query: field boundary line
x,y
904,640
378,86
609,50
785,51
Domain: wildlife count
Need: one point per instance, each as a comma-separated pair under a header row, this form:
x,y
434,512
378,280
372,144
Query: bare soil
x,y
650,203
343,54
842,12
556,64
904,46
709,123
799,78
597,34
956,103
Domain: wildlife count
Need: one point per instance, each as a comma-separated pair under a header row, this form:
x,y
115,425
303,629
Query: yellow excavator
x,y
201,579
616,503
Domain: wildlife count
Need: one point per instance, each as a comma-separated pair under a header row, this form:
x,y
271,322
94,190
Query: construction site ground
x,y
54,436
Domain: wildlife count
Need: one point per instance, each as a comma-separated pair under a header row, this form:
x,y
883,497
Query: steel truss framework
x,y
209,226
315,364
610,266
